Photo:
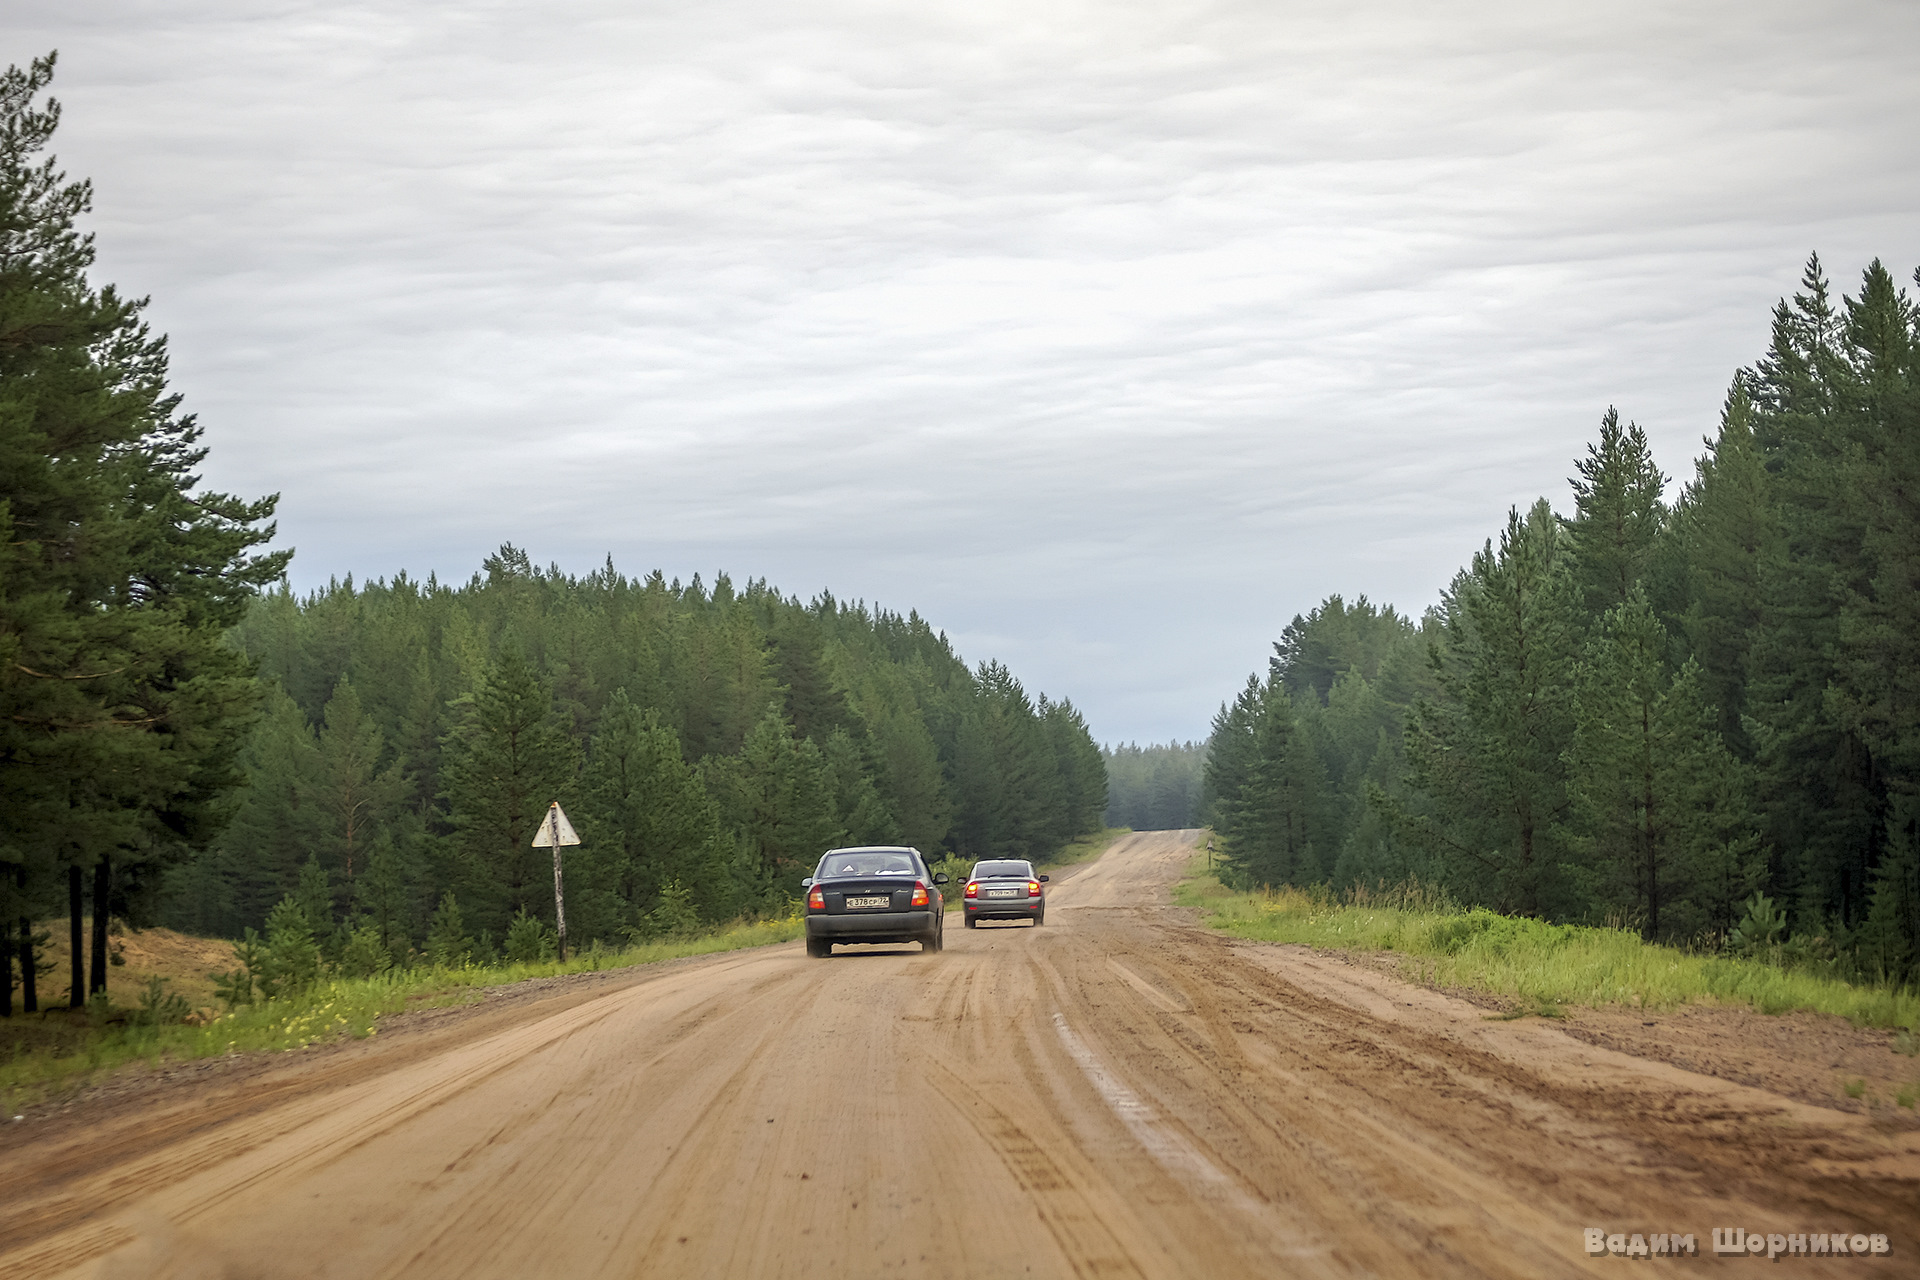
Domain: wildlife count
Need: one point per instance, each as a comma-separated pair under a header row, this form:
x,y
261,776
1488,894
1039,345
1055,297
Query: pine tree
x,y
506,760
1658,810
1335,638
385,898
314,895
233,882
1826,797
1231,750
1618,516
448,944
1728,530
1487,751
1875,695
779,795
858,809
355,791
121,707
648,819
290,961
1079,765
911,783
1011,798
1278,826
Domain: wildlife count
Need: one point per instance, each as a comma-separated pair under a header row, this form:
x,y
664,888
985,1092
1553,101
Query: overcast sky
x,y
1109,336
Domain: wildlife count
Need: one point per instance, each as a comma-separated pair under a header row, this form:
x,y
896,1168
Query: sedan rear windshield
x,y
1007,870
866,864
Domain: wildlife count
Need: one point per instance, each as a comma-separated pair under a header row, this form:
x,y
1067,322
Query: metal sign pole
x,y
559,890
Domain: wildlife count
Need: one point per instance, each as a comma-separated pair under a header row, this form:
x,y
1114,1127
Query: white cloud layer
x,y
1107,335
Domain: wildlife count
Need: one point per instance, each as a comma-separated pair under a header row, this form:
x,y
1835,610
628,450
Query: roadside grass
x,y
1538,966
60,1049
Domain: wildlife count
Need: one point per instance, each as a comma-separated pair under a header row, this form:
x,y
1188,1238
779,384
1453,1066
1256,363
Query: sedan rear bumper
x,y
1005,908
873,926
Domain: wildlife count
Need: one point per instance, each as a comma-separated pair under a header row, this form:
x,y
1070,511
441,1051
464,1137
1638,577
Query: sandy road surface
x,y
1116,1094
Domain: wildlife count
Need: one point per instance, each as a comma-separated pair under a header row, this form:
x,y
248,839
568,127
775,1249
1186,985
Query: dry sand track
x,y
1117,1094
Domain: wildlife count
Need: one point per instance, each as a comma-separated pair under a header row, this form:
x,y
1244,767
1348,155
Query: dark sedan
x,y
878,893
1005,889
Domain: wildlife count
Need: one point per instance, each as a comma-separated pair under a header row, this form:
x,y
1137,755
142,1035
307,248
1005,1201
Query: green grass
x,y
1538,966
62,1049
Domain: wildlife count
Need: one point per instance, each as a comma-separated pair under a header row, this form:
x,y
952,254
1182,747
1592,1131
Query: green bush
x,y
290,960
364,954
673,915
528,940
448,946
239,986
1761,929
159,1006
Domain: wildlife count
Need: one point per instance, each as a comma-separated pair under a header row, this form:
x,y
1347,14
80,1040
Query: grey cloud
x,y
1108,336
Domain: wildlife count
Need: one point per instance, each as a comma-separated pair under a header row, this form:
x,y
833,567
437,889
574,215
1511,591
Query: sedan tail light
x,y
973,888
1033,888
817,900
919,895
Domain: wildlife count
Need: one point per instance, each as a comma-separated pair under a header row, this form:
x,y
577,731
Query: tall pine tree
x,y
1487,750
507,759
121,706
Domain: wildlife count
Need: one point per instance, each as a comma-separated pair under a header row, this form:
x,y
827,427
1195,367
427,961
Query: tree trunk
x,y
1527,903
6,970
102,911
1653,848
77,973
29,961
29,966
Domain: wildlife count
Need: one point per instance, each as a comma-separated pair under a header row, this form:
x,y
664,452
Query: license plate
x,y
1005,893
858,904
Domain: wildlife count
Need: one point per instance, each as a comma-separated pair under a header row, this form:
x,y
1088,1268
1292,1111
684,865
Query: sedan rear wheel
x,y
972,923
819,947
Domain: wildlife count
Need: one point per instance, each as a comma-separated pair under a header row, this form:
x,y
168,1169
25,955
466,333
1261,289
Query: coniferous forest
x,y
709,743
1155,787
1698,716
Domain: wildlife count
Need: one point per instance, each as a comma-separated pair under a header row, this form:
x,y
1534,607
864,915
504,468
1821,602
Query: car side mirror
x,y
1044,879
940,877
807,883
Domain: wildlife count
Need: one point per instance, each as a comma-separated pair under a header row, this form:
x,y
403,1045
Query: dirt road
x,y
1117,1094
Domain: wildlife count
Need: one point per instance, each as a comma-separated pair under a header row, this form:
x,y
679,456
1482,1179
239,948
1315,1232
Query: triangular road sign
x,y
556,817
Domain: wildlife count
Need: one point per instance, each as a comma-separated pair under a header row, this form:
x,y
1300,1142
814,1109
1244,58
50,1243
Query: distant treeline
x,y
1701,718
708,744
1155,787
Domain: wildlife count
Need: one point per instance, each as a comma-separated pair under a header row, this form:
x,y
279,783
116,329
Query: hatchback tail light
x,y
919,895
1033,888
817,900
973,888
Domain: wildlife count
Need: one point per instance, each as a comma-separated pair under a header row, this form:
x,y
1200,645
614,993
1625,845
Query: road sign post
x,y
556,831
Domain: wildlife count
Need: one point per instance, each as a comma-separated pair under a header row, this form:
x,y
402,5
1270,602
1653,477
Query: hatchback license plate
x,y
858,904
1003,893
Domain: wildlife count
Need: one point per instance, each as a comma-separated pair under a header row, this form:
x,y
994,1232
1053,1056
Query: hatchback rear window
x,y
1005,870
866,864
